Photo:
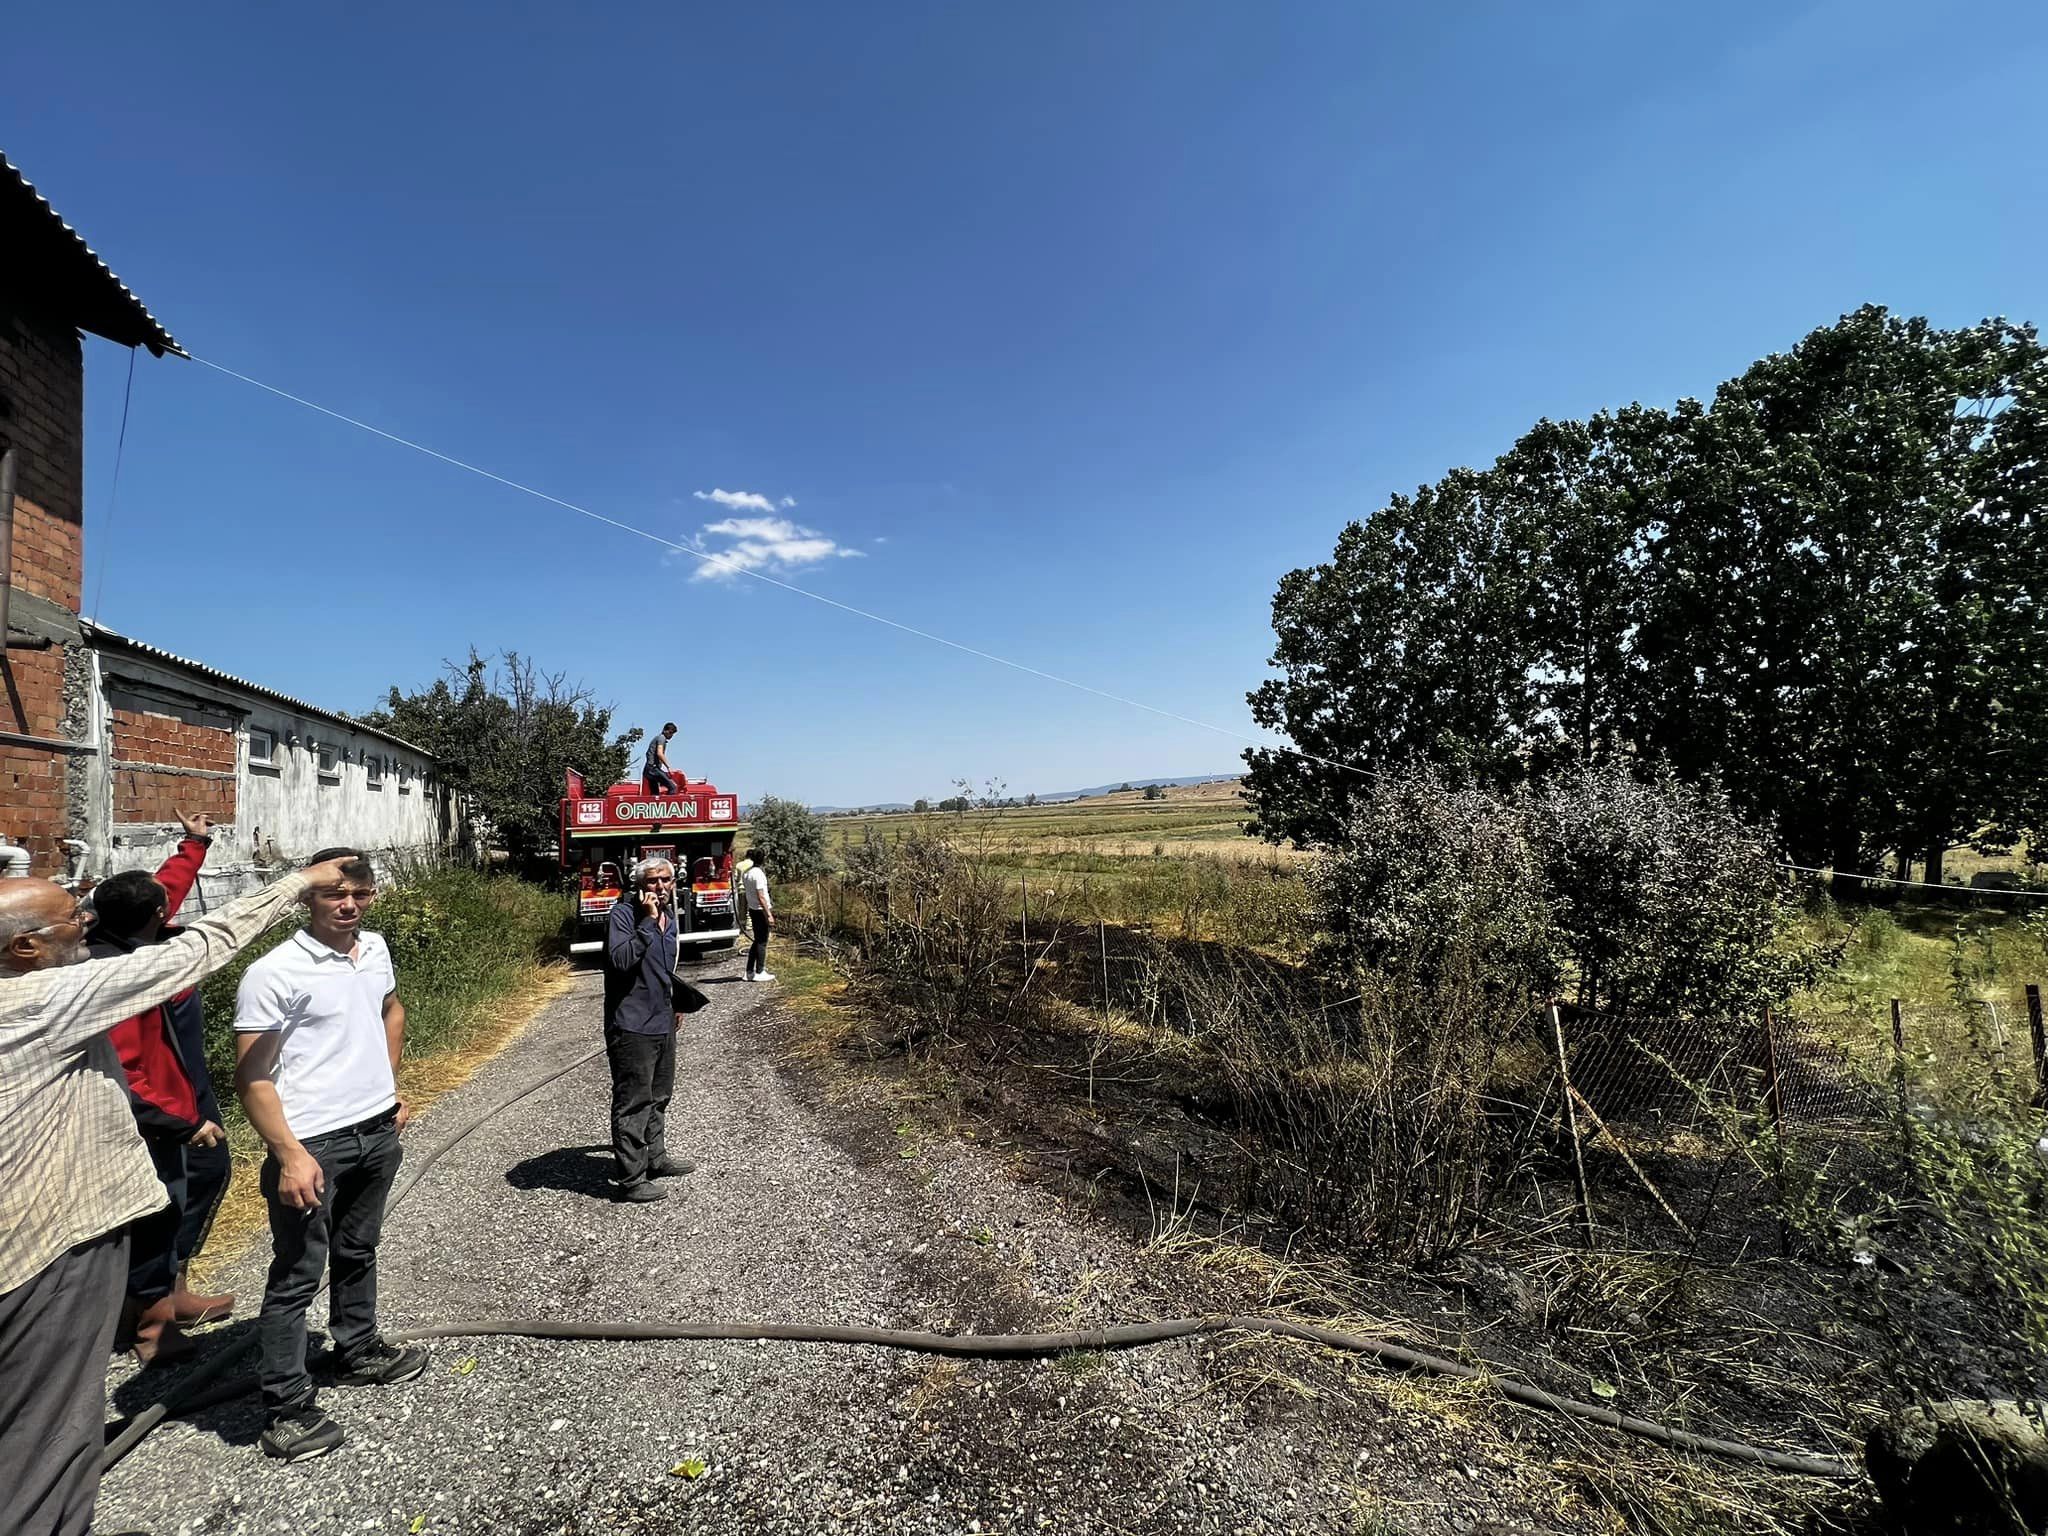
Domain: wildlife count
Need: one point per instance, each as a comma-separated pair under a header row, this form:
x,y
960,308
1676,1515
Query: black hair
x,y
357,868
669,726
127,901
755,855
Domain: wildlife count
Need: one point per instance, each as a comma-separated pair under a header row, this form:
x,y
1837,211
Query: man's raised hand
x,y
197,823
329,871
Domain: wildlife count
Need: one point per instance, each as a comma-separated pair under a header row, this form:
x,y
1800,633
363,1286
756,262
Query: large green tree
x,y
504,731
1817,589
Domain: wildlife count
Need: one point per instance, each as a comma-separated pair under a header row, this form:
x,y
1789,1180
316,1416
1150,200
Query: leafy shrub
x,y
791,838
1644,896
1662,899
1431,879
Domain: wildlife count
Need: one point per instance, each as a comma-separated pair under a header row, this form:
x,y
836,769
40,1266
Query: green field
x,y
1194,818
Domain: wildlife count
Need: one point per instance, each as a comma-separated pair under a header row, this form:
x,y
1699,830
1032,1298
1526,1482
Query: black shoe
x,y
381,1365
299,1434
638,1194
672,1168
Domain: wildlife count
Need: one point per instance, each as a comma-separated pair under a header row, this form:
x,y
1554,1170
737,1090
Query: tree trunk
x,y
1936,852
1847,862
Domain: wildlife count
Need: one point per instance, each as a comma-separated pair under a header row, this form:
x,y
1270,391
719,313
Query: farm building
x,y
104,737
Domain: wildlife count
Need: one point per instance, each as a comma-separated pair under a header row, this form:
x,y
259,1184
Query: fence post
x,y
1777,1099
1771,1066
1899,1061
1102,936
1024,920
2040,1046
1571,1117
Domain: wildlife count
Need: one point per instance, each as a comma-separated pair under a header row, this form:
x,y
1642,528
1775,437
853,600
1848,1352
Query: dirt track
x,y
805,1209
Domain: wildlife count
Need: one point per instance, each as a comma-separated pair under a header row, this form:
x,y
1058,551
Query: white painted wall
x,y
285,810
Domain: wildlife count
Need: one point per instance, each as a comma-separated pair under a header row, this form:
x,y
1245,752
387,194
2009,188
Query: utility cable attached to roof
x,y
722,563
114,490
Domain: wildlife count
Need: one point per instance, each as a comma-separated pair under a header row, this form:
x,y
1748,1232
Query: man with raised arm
x,y
318,1033
74,1172
163,1051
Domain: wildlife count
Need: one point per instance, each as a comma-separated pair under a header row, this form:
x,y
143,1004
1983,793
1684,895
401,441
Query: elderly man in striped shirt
x,y
74,1172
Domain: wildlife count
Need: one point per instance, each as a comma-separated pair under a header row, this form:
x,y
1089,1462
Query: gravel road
x,y
814,1200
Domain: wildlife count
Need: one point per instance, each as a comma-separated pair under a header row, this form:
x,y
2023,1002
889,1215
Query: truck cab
x,y
603,835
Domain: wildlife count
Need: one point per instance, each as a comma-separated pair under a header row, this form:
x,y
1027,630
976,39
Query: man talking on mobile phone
x,y
640,1020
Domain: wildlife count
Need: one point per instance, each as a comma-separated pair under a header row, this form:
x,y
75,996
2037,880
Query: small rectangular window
x,y
373,772
262,746
330,766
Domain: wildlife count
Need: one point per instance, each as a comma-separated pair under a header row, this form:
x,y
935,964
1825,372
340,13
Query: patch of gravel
x,y
808,1204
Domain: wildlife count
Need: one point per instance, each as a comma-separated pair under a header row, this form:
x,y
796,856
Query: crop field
x,y
1193,818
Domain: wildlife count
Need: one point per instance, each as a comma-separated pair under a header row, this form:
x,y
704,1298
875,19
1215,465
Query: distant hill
x,y
1053,797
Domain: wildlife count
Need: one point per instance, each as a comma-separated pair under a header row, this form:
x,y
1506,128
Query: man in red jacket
x,y
162,1052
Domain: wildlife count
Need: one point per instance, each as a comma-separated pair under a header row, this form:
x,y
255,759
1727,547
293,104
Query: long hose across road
x,y
209,1383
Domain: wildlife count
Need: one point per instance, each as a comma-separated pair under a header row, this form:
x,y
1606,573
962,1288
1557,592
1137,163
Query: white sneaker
x,y
764,976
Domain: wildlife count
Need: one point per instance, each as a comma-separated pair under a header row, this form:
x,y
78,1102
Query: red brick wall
x,y
42,417
165,741
32,779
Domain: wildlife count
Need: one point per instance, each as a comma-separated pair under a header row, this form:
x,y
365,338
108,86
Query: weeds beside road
x,y
1404,1139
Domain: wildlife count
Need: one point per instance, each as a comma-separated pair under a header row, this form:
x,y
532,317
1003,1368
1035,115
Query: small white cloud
x,y
773,545
881,538
740,501
788,501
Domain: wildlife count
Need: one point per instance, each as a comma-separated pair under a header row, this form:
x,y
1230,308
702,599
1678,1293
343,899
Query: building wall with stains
x,y
283,782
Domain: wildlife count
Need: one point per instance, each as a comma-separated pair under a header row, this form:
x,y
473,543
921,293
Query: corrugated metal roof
x,y
100,634
51,260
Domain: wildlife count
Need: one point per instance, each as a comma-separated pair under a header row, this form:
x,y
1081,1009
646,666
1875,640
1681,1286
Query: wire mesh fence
x,y
1683,1120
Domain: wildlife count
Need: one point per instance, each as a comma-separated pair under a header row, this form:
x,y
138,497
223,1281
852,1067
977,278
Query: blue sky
x,y
1077,324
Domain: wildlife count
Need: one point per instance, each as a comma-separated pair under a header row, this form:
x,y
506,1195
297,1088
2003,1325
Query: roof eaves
x,y
147,330
98,633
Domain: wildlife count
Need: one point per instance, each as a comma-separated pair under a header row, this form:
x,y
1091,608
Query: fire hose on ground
x,y
209,1383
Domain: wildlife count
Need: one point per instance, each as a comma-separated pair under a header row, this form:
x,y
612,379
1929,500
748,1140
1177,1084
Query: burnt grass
x,y
1724,1327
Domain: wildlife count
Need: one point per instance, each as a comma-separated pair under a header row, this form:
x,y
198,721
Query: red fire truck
x,y
605,835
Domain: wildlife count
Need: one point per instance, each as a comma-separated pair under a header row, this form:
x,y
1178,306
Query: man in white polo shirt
x,y
318,1031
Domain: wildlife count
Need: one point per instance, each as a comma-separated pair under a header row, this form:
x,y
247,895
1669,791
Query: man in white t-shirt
x,y
318,1031
760,914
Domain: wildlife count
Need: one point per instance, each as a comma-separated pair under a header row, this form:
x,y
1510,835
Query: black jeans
x,y
757,952
153,1239
643,1078
207,1171
55,1331
340,1234
658,781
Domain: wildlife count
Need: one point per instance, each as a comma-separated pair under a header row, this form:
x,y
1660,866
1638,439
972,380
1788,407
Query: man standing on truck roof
x,y
640,1021
655,777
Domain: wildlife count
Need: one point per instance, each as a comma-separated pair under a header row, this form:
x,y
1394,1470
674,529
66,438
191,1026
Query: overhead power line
x,y
734,566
